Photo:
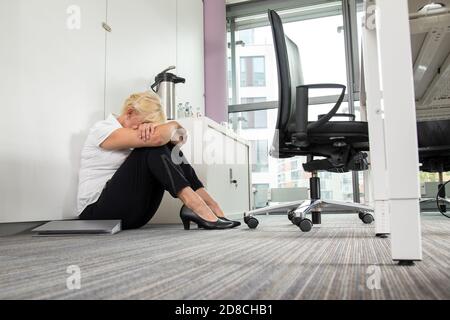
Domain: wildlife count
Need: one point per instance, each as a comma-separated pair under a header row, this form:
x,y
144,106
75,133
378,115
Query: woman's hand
x,y
145,130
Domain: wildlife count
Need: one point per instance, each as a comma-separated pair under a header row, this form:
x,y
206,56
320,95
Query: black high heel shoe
x,y
187,215
234,222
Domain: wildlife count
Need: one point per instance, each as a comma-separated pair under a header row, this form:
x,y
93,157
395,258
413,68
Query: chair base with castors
x,y
297,211
298,216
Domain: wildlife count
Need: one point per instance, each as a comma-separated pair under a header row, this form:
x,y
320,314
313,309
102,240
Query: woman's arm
x,y
125,138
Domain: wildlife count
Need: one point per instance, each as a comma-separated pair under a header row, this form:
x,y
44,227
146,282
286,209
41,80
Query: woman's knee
x,y
157,150
152,151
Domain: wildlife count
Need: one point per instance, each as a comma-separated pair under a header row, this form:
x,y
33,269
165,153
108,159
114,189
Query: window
x,y
326,194
323,60
253,72
429,184
260,156
247,36
254,120
260,195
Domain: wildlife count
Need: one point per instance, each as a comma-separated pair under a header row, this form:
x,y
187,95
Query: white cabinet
x,y
221,161
51,92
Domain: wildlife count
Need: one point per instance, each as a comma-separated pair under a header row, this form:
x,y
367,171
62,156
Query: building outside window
x,y
254,119
253,73
260,156
230,77
247,37
260,195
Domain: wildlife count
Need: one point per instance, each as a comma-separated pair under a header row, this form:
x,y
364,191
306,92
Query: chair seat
x,y
353,132
342,127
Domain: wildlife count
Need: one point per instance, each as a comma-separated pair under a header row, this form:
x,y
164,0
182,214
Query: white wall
x,y
52,88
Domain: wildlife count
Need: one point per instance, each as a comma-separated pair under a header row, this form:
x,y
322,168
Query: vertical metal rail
x,y
350,34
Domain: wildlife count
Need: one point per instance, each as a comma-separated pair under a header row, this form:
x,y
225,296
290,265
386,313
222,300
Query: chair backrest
x,y
289,77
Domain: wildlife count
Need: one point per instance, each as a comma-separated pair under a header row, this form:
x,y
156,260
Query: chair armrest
x,y
302,104
343,115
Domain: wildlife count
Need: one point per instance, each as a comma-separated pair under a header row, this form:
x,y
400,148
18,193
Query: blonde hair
x,y
147,104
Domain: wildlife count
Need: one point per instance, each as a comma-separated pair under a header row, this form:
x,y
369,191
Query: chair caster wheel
x,y
361,215
305,225
251,222
367,218
291,215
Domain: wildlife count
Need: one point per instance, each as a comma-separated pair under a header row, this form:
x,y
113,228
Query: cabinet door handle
x,y
106,27
233,181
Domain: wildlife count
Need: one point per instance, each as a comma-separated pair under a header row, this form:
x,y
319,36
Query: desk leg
x,y
375,116
402,163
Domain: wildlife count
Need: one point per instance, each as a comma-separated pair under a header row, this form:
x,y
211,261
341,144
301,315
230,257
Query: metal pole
x,y
349,54
234,86
375,117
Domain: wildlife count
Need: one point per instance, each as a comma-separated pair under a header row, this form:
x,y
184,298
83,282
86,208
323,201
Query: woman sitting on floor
x,y
126,166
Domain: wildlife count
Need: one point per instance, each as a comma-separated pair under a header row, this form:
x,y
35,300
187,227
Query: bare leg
x,y
194,202
210,202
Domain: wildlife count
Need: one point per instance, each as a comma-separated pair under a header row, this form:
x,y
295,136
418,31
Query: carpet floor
x,y
341,259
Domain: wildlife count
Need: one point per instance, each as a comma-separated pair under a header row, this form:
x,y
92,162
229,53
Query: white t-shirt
x,y
97,164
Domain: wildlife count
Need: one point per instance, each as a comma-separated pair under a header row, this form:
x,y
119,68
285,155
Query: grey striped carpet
x,y
335,261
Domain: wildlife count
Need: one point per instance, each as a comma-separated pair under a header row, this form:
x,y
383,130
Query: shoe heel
x,y
187,224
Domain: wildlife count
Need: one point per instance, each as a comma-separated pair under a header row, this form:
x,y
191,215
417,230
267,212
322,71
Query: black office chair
x,y
434,154
340,145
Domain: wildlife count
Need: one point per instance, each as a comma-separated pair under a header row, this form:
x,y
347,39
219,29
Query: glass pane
x,y
429,184
247,37
317,110
260,195
252,71
260,155
254,120
322,54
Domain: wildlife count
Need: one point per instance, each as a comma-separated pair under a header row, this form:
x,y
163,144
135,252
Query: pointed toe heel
x,y
187,215
234,222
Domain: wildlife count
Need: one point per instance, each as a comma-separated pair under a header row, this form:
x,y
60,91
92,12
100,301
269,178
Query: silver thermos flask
x,y
164,86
